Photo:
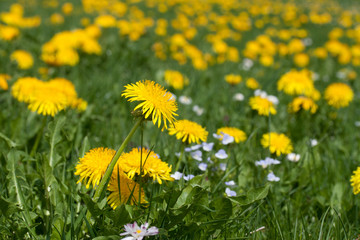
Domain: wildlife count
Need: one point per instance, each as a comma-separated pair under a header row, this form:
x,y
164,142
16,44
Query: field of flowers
x,y
179,119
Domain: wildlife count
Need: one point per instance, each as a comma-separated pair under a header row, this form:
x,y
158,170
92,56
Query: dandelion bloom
x,y
303,103
122,188
23,59
151,165
47,102
277,143
237,134
188,131
8,33
355,181
91,168
296,83
262,105
252,83
175,79
338,95
233,79
156,102
3,81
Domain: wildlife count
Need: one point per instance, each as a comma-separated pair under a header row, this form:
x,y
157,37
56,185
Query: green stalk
x,y
38,137
180,157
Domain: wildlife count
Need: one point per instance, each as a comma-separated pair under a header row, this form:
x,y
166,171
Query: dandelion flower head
x,y
262,105
338,95
91,168
277,143
237,134
355,181
3,81
252,83
175,79
122,188
23,59
233,79
296,83
188,131
149,162
303,103
156,102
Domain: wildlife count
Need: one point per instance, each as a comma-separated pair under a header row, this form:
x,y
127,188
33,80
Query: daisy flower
x,y
138,233
156,103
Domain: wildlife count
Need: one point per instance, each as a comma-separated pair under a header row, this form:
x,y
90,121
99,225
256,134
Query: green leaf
x,y
7,208
223,208
84,147
120,216
11,143
54,138
91,205
251,196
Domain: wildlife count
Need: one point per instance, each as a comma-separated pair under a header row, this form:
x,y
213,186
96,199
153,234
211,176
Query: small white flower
x,y
267,162
273,99
272,178
202,166
222,166
176,175
293,157
197,155
230,193
341,74
177,154
307,41
207,146
193,148
198,110
138,233
261,93
221,154
227,139
247,64
315,76
188,177
217,136
313,142
185,100
230,183
357,124
173,96
239,97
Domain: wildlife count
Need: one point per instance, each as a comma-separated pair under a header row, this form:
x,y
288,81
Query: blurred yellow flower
x,y
252,83
105,21
296,83
338,95
67,8
175,79
303,103
22,58
301,59
262,105
188,131
277,143
237,134
156,103
8,33
233,79
3,81
56,19
355,181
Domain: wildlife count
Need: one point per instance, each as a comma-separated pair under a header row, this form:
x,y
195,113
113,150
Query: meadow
x,y
179,119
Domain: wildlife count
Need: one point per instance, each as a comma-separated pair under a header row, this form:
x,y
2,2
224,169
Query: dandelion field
x,y
179,119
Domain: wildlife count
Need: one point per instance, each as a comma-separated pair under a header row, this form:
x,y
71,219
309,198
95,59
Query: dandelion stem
x,y
104,181
38,137
180,157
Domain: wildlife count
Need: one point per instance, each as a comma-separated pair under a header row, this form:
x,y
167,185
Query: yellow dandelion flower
x,y
3,81
105,21
188,131
237,134
156,103
262,105
233,79
8,33
338,95
122,188
252,83
23,59
303,103
23,88
175,79
93,165
296,83
56,19
277,143
151,165
355,181
47,102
